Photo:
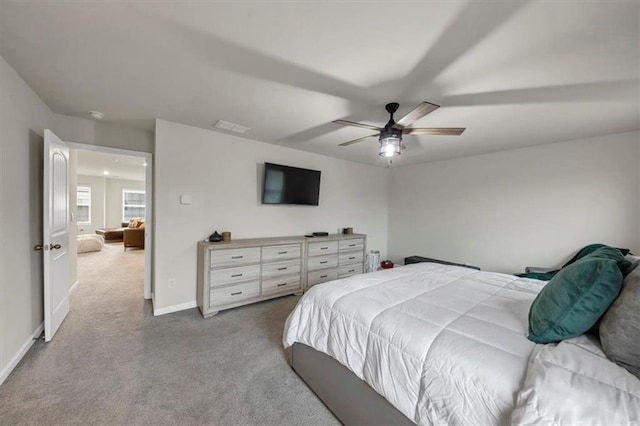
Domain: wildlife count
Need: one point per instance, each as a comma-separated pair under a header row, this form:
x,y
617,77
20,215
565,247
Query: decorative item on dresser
x,y
232,274
215,237
334,256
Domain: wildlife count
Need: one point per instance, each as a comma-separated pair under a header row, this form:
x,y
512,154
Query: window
x,y
133,202
84,204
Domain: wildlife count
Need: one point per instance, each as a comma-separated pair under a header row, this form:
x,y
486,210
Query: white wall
x,y
97,184
23,118
74,129
221,173
124,137
113,203
532,206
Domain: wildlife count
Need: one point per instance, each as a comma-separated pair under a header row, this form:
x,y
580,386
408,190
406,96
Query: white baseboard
x,y
174,308
20,354
74,287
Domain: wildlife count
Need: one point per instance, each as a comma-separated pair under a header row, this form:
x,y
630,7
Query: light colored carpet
x,y
112,362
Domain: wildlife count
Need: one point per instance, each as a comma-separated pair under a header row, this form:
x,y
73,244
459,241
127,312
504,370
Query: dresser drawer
x,y
234,293
288,283
317,277
351,245
278,269
234,275
348,270
323,247
283,252
233,257
350,258
322,262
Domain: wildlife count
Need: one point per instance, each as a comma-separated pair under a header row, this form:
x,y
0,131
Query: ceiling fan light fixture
x,y
390,141
390,146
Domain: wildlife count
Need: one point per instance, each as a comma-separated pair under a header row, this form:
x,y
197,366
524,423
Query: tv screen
x,y
290,185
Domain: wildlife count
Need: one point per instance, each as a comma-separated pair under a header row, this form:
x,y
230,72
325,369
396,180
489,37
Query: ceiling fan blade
x,y
358,140
354,124
416,114
442,131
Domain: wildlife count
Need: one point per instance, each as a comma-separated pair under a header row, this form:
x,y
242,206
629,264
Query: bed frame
x,y
350,399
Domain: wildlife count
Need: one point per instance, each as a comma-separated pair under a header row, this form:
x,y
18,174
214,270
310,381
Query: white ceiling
x,y
515,74
94,163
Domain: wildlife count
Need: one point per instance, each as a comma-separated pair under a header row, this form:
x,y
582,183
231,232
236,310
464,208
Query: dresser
x,y
333,257
241,272
246,271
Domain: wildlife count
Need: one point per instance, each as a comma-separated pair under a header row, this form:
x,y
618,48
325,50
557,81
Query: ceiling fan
x,y
390,136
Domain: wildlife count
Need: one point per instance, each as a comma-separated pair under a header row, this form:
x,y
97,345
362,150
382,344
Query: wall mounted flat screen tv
x,y
290,185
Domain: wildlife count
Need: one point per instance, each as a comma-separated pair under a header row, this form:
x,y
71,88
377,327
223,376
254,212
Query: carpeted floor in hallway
x,y
112,362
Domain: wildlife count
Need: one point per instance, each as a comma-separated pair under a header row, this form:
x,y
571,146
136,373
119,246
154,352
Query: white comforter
x,y
442,344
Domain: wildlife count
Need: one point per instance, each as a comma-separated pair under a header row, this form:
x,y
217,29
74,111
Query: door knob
x,y
37,247
56,247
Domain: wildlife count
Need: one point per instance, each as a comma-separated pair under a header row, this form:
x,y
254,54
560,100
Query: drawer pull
x,y
324,261
282,252
237,257
352,245
324,248
280,285
236,293
284,268
351,258
352,270
323,276
236,275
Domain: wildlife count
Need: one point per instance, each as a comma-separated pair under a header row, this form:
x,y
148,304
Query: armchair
x,y
133,237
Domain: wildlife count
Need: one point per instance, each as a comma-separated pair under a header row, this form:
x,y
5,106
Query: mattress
x,y
443,344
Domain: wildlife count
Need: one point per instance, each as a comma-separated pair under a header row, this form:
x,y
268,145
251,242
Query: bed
x,y
438,344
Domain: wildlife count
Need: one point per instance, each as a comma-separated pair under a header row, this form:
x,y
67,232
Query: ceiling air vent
x,y
230,127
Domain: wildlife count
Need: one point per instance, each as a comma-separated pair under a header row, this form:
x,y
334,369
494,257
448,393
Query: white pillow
x,y
574,383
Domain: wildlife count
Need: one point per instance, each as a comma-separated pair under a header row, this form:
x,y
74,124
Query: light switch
x,y
185,199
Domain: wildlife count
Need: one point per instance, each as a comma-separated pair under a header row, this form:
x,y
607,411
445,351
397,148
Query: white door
x,y
56,233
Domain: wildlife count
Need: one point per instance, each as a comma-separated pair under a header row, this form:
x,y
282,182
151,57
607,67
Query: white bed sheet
x,y
443,344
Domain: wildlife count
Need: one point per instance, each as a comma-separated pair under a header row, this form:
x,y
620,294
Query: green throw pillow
x,y
613,254
597,250
573,301
588,250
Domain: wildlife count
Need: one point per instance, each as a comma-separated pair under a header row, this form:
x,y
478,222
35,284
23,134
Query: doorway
x,y
111,204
